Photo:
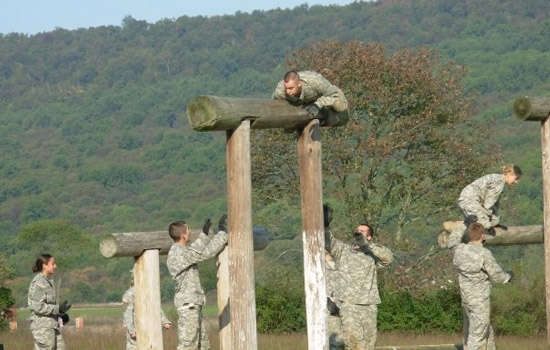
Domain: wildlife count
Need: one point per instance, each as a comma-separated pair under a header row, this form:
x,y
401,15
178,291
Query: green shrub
x,y
279,310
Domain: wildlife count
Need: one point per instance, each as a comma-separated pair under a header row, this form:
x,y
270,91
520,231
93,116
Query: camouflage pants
x,y
474,208
359,326
192,333
335,338
476,329
47,338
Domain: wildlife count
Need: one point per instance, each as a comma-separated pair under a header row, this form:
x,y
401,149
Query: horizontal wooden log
x,y
213,113
513,235
422,347
532,108
134,243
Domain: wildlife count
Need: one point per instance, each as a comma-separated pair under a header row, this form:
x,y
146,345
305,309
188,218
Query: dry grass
x,y
102,332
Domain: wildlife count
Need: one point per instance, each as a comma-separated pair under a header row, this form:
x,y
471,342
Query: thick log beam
x,y
514,235
134,243
213,113
532,108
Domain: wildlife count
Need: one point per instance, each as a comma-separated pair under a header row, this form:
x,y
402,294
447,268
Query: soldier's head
x,y
179,231
476,232
363,233
45,263
292,84
512,174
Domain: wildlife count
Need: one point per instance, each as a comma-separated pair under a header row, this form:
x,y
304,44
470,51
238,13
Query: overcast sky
x,y
34,16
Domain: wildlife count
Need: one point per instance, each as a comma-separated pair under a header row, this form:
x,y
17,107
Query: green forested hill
x,y
92,121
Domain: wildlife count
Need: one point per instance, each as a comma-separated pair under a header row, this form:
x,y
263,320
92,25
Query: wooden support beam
x,y
213,113
134,243
422,347
545,145
309,155
147,301
532,108
513,236
242,299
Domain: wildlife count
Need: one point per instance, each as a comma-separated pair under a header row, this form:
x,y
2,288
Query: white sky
x,y
34,16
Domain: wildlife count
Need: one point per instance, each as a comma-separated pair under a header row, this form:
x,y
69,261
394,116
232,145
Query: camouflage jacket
x,y
128,315
484,191
476,268
182,265
315,88
42,302
357,270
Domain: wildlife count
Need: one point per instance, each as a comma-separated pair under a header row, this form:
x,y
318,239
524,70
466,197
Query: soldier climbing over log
x,y
480,199
312,90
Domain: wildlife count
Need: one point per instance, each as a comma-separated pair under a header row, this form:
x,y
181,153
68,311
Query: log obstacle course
x,y
513,235
237,116
146,248
538,109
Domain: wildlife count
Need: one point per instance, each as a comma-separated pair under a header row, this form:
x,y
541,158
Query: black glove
x,y
222,224
312,110
206,226
502,227
491,231
470,219
64,307
511,273
64,318
327,215
332,308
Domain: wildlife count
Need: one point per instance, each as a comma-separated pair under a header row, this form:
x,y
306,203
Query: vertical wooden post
x,y
224,320
147,301
241,253
309,153
545,143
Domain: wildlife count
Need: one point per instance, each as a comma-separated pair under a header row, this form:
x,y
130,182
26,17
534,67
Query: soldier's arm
x,y
200,243
333,245
279,93
383,255
37,302
215,246
329,93
493,269
495,185
128,318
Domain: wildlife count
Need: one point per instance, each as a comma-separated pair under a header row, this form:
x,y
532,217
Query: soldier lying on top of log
x,y
480,199
312,90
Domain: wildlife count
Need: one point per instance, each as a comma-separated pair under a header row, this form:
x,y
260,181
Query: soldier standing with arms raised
x,y
477,268
357,290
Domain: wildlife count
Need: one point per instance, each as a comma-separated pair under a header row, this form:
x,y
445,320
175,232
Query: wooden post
x,y
224,317
241,258
545,143
147,301
309,153
538,109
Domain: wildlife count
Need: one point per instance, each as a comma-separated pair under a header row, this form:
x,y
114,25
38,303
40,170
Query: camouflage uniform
x,y
42,302
357,290
315,89
189,297
128,318
477,268
336,340
480,198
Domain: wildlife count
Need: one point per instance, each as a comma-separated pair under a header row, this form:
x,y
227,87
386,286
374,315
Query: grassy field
x,y
103,331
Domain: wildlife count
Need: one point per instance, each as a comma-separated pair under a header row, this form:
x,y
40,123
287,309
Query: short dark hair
x,y
291,75
40,262
475,231
176,229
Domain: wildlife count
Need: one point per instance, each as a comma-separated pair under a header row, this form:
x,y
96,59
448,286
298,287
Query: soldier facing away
x,y
477,268
46,314
182,265
128,319
312,90
480,199
357,290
